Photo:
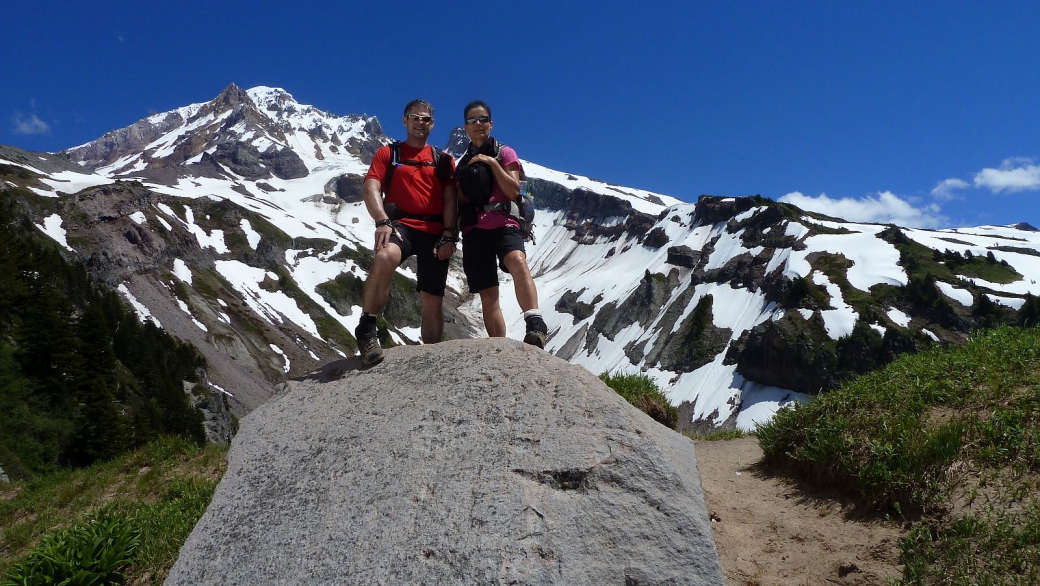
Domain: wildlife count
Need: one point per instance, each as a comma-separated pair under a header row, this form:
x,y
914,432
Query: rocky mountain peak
x,y
232,96
457,142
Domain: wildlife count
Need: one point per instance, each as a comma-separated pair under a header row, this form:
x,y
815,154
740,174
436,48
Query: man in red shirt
x,y
418,216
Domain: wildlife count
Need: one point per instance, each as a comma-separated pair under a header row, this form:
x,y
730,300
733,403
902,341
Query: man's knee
x,y
516,262
388,257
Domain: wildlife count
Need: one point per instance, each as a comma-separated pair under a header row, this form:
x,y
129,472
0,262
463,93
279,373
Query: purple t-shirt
x,y
497,218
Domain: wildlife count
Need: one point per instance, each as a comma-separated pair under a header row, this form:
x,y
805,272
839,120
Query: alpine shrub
x,y
641,390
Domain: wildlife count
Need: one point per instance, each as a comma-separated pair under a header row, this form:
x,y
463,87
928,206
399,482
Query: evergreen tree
x,y
47,345
99,426
1029,315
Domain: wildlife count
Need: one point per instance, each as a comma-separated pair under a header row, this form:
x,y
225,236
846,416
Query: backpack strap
x,y
395,156
508,207
443,164
443,168
443,172
498,155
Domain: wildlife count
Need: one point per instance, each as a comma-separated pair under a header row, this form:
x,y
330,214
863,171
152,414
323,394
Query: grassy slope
x,y
162,489
949,438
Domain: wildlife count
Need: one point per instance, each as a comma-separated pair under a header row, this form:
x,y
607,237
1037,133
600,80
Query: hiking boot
x,y
370,350
368,346
536,331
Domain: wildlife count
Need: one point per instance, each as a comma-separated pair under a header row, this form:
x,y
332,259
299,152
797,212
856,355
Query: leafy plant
x,y
83,555
641,390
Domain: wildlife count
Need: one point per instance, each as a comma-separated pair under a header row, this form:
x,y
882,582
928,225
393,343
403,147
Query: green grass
x,y
717,436
978,268
641,390
157,494
947,438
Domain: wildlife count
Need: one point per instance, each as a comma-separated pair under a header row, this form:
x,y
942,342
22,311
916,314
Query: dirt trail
x,y
771,530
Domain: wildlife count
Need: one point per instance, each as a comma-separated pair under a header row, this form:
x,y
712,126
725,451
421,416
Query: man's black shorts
x,y
432,273
479,251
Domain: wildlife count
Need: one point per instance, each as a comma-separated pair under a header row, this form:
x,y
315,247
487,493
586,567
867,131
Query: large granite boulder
x,y
467,462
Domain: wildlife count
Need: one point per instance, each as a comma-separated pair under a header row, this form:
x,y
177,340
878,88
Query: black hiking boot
x,y
368,345
536,331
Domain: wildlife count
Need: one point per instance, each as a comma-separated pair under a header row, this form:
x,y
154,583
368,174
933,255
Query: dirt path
x,y
771,530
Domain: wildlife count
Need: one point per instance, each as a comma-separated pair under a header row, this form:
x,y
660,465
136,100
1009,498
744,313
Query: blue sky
x,y
921,113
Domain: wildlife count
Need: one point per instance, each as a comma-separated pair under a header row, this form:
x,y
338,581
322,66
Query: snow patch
x,y
961,296
1015,303
52,227
898,317
181,270
139,308
252,236
282,354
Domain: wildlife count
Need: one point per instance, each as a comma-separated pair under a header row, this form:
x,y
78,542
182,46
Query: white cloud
x,y
884,208
30,124
1016,174
945,189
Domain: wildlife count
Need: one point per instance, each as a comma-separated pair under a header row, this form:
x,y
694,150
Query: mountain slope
x,y
238,225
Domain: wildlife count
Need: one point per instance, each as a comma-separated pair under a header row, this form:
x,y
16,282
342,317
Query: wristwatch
x,y
386,222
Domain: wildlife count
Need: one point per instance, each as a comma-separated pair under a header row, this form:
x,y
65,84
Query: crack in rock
x,y
572,479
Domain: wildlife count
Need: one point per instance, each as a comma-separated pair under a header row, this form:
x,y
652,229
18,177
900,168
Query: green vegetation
x,y
818,229
717,436
921,261
836,267
90,553
802,292
950,439
641,390
83,380
127,517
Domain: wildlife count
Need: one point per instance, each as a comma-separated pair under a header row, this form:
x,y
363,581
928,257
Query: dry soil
x,y
774,530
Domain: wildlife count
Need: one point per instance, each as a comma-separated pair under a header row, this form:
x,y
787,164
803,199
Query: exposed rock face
x,y
438,468
347,187
712,208
656,238
683,256
112,145
457,142
550,195
46,162
790,353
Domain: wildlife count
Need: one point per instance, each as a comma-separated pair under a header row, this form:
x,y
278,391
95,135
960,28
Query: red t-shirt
x,y
413,189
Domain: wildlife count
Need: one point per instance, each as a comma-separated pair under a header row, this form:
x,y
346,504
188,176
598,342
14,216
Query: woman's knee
x,y
516,261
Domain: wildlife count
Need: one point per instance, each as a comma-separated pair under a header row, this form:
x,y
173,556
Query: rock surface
x,y
439,467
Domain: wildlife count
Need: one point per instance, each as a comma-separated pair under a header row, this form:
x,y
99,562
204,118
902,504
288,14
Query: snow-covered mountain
x,y
237,224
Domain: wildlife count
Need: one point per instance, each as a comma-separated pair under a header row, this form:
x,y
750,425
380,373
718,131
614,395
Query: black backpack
x,y
443,170
477,181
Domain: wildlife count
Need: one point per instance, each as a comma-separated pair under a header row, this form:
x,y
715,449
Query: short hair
x,y
422,104
476,104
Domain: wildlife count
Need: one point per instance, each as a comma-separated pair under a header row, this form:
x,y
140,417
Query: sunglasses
x,y
417,117
481,119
